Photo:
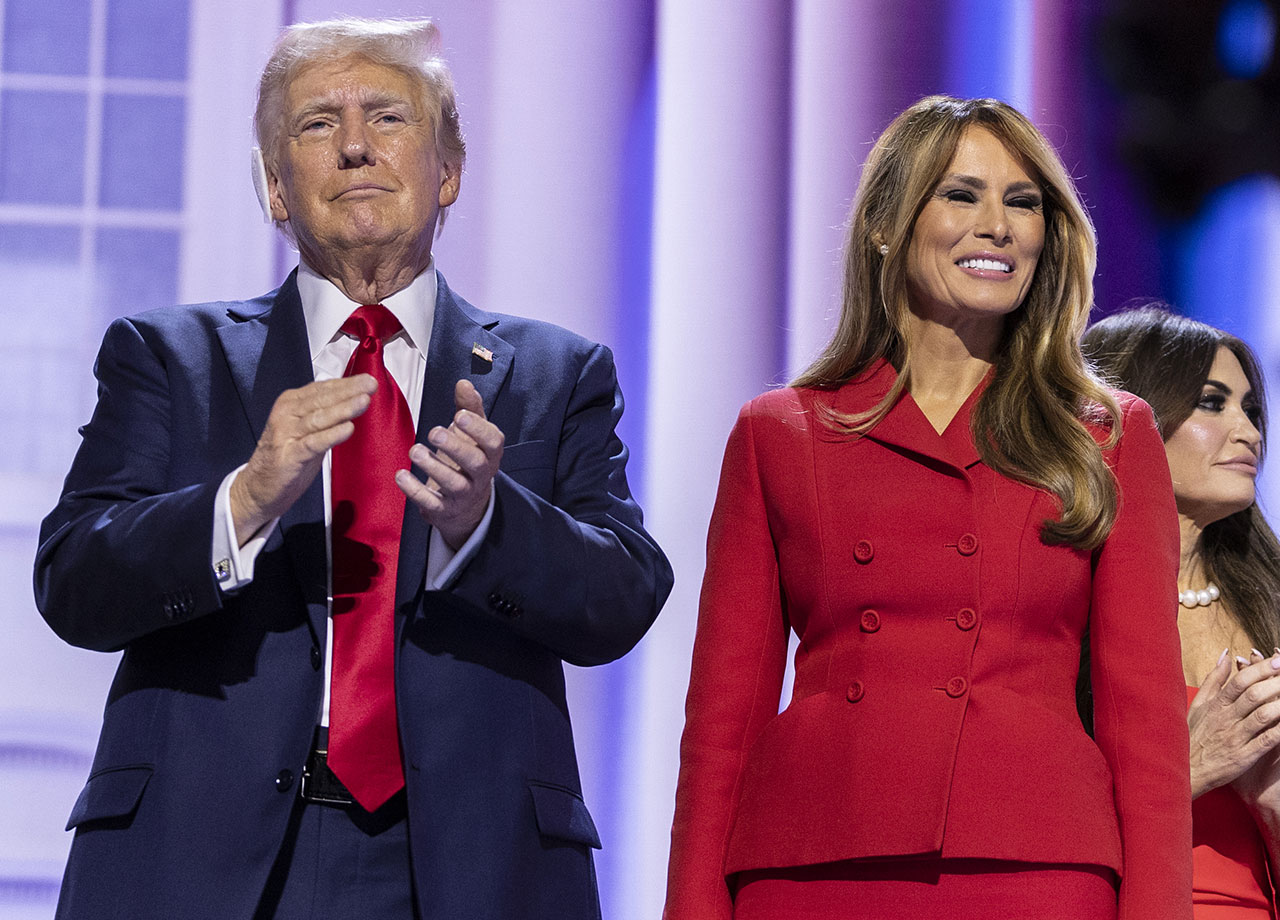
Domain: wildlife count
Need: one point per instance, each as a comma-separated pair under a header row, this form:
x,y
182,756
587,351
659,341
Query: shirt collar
x,y
326,308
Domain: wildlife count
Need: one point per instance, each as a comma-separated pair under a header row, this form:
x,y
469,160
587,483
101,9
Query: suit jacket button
x,y
316,661
966,619
855,692
956,687
284,781
870,621
967,544
863,551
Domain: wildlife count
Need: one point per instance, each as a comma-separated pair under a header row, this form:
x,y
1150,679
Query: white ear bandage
x,y
258,169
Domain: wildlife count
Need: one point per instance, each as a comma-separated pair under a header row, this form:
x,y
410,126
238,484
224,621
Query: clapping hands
x,y
1235,725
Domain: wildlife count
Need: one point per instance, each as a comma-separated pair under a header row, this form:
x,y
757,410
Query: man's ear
x,y
450,183
261,187
277,209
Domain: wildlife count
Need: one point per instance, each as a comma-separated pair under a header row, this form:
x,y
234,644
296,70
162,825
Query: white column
x,y
719,280
566,74
565,78
838,69
228,249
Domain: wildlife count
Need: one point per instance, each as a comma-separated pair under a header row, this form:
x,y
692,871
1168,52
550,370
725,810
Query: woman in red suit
x,y
1206,389
939,507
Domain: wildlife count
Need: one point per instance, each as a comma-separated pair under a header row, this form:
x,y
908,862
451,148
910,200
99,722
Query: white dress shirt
x,y
325,308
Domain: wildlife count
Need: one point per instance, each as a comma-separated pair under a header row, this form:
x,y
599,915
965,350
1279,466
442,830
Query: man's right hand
x,y
303,425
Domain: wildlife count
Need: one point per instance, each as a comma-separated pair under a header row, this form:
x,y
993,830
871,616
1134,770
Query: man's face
x,y
357,170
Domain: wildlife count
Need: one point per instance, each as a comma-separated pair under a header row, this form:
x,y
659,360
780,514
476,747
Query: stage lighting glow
x,y
1246,37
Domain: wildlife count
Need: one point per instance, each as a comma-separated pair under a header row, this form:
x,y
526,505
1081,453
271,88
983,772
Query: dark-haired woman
x,y
1207,392
938,508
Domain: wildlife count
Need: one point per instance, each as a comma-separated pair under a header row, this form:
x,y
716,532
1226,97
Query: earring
x,y
884,249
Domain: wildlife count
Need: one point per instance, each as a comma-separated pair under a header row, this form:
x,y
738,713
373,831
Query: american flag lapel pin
x,y
484,354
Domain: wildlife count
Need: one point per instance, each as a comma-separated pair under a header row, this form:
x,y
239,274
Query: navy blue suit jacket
x,y
210,716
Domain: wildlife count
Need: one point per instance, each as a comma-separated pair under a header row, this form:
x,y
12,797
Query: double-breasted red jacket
x,y
933,709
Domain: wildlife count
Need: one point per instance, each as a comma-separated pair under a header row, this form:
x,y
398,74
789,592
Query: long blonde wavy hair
x,y
1030,423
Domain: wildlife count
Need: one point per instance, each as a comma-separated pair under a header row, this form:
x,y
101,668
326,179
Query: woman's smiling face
x,y
977,241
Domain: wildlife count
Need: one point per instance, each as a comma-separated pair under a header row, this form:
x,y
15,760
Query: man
x,y
341,693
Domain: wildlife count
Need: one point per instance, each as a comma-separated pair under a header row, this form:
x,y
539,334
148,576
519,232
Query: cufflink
x,y
222,570
508,608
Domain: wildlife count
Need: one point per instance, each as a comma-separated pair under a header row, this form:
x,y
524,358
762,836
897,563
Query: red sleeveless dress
x,y
1230,878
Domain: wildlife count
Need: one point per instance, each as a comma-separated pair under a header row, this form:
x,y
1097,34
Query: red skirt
x,y
912,889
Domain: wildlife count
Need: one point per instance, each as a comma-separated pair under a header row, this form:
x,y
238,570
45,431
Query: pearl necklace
x,y
1192,599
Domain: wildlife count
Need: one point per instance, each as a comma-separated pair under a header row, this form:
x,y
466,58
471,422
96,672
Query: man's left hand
x,y
455,496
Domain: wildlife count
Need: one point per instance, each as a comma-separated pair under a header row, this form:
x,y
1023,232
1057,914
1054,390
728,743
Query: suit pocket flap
x,y
562,813
110,794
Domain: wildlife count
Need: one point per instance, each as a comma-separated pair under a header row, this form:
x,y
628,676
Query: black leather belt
x,y
319,783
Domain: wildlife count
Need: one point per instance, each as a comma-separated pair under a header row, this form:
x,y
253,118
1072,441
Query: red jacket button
x,y
956,687
967,544
863,551
870,621
855,692
966,619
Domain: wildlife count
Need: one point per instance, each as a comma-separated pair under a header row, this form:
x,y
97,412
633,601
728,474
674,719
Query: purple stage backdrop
x,y
669,177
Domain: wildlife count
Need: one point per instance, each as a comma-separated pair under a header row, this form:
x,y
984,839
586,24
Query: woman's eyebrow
x,y
1226,390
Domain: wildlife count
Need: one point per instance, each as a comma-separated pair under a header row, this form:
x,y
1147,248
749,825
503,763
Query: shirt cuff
x,y
443,564
232,563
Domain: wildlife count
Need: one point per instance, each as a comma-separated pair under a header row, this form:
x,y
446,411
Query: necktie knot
x,y
372,324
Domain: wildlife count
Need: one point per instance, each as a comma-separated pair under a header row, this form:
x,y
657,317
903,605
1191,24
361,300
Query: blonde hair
x,y
1030,423
411,46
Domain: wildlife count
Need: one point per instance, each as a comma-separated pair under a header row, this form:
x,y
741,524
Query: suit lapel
x,y
462,346
266,351
905,427
958,435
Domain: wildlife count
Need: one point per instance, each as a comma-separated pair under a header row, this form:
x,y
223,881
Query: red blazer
x,y
934,702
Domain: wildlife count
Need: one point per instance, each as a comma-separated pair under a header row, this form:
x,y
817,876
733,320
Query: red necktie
x,y
368,508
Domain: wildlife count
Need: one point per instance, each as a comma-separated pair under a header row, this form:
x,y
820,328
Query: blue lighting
x,y
982,62
1246,37
1222,259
